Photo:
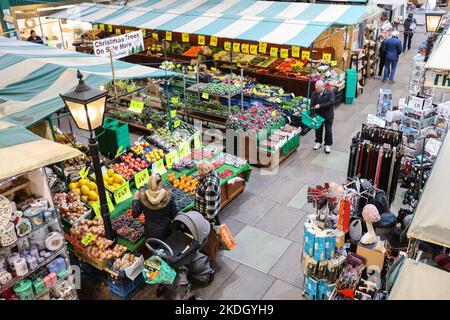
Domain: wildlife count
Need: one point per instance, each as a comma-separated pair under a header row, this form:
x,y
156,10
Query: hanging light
x,y
86,105
433,20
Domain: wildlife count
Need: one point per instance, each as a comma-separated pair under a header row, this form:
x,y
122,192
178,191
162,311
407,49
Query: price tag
x,y
227,45
184,150
118,31
295,52
141,178
110,29
118,151
205,95
253,49
155,36
284,53
274,52
149,126
172,157
197,143
122,193
109,202
96,208
274,113
213,69
281,91
158,167
236,47
101,27
326,56
136,106
185,37
306,55
169,35
173,113
87,239
84,172
177,123
201,40
262,47
213,41
175,99
244,48
334,63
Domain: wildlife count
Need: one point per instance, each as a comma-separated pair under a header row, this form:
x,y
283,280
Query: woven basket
x,y
5,211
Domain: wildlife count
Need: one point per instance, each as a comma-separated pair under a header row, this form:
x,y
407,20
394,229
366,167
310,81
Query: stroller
x,y
181,251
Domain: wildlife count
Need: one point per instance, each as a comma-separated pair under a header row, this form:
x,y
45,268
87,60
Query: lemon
x,y
93,196
73,186
91,203
117,179
84,198
78,191
84,190
115,185
91,185
83,182
110,172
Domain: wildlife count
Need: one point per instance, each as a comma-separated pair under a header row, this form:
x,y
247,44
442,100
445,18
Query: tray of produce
x,y
86,189
165,139
182,199
111,179
70,207
184,183
193,52
128,164
267,62
231,160
131,234
218,163
183,164
277,63
226,173
141,217
199,154
122,221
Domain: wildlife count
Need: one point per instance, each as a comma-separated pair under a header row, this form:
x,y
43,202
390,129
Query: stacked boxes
x,y
112,135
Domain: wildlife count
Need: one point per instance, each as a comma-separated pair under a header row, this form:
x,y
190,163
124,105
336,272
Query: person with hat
x,y
158,207
393,49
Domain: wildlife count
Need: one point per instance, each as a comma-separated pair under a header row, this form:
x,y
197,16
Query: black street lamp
x,y
433,20
87,107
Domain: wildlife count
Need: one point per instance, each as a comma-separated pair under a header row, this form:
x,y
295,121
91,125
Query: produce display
x,y
199,154
154,155
122,86
218,163
125,262
70,206
182,199
141,217
220,89
128,228
278,137
255,118
112,179
140,147
193,52
86,189
165,139
226,173
231,160
185,183
183,164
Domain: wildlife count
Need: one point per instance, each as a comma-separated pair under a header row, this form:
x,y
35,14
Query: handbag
x,y
212,245
226,240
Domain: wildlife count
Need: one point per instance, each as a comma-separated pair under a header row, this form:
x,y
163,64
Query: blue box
x,y
322,290
308,240
320,247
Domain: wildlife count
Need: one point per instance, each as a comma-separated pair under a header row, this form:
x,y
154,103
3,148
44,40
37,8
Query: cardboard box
x,y
372,256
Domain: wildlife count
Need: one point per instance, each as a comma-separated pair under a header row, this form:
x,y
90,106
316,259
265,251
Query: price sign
x,y
118,32
84,172
158,167
262,47
122,193
175,99
197,143
244,48
184,150
334,63
109,202
273,52
96,208
118,151
306,55
284,53
136,106
110,29
155,36
185,37
213,41
236,46
205,95
281,91
295,52
87,239
227,45
171,158
213,69
253,49
274,113
101,27
177,123
141,178
149,126
173,113
326,56
169,35
201,40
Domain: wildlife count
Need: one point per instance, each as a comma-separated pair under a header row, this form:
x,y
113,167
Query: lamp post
x,y
87,107
433,20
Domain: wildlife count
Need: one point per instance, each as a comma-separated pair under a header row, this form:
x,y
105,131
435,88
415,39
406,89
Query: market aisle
x,y
267,219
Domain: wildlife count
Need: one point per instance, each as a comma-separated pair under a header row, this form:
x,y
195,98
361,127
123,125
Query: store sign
x,y
296,52
213,41
8,18
122,193
136,106
437,80
169,35
120,46
244,48
141,178
201,40
371,119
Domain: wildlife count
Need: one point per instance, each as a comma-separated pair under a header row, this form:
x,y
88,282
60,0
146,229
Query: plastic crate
x,y
101,134
313,123
126,290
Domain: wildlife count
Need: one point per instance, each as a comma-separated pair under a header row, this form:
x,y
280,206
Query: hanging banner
x,y
326,56
185,37
274,52
155,36
110,28
120,46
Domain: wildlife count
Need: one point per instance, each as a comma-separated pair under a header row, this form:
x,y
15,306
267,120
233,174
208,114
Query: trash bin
x,y
351,83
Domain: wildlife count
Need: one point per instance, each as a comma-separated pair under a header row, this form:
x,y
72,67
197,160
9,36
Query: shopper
x,y
204,76
158,207
207,193
393,49
381,54
322,101
409,26
35,38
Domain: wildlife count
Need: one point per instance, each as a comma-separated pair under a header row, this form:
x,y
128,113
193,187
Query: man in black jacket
x,y
409,27
322,102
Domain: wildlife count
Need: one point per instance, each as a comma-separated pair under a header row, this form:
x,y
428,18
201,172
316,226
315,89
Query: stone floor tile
x,y
281,290
280,220
288,268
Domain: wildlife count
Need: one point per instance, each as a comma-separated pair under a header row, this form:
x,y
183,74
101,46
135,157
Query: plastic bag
x,y
158,271
226,240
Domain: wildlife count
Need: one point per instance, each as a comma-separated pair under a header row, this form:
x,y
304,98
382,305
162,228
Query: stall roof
x,y
439,56
431,222
265,21
33,76
419,281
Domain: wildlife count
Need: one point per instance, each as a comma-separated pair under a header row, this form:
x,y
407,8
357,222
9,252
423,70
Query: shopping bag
x,y
226,240
212,245
157,271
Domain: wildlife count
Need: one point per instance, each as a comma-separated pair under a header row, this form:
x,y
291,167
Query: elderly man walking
x,y
392,49
322,101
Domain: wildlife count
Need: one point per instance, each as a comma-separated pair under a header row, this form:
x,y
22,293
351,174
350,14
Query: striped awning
x,y
32,77
281,23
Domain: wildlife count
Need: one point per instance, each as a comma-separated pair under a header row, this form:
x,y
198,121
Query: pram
x,y
181,251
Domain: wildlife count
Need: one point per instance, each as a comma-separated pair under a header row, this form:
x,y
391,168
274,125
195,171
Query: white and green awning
x,y
282,23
